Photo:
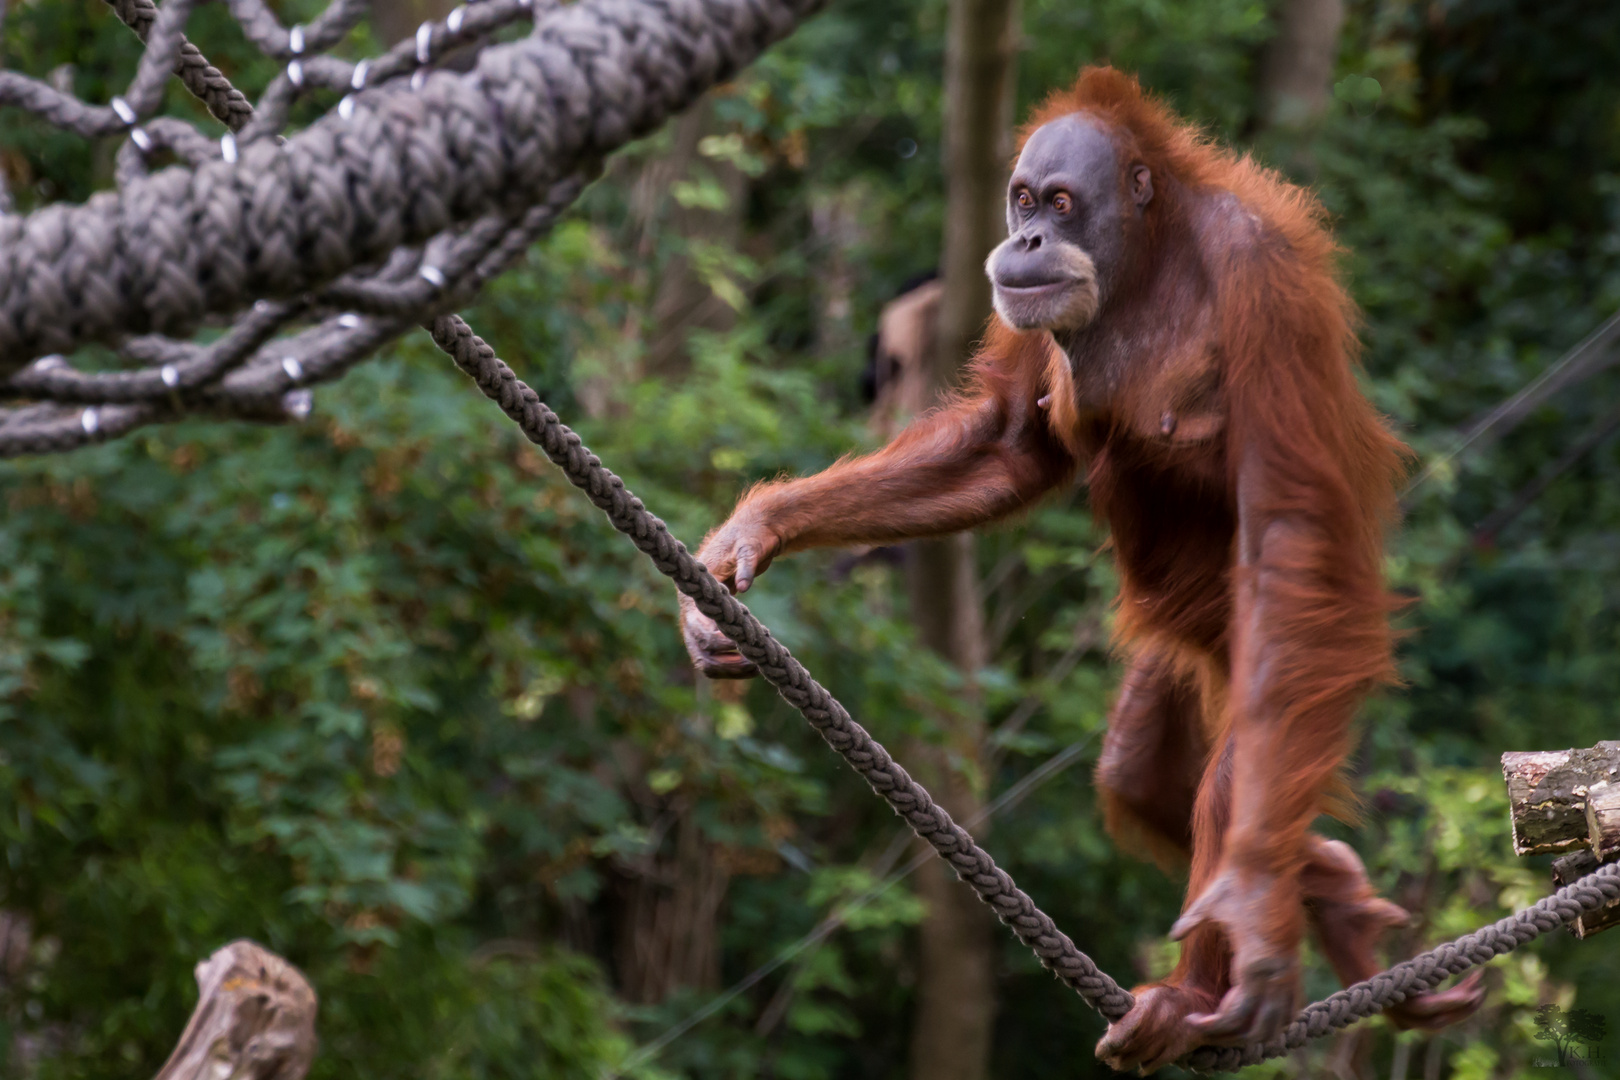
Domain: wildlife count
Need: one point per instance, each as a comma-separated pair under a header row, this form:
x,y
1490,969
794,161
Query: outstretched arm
x,y
985,455
964,465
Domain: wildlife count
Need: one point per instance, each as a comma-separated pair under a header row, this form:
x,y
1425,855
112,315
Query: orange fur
x,y
1247,484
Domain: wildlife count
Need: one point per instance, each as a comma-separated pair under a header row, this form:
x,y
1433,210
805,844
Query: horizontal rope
x,y
1423,972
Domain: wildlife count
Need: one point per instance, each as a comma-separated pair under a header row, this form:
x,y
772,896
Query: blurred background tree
x,y
383,693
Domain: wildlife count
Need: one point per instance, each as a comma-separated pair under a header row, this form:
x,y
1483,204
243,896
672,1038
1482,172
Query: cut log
x,y
255,1020
1548,794
1603,817
1567,802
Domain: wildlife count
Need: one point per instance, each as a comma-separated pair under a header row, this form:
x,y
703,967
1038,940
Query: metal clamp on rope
x,y
295,66
126,113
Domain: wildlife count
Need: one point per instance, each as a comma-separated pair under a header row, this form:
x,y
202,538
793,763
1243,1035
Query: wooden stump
x,y
1603,818
255,1020
1567,802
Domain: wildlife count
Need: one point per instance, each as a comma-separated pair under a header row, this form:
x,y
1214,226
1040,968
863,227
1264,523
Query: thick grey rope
x,y
430,42
182,378
909,799
401,166
273,387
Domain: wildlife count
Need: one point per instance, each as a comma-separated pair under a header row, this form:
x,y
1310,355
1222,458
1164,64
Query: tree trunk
x,y
255,1020
1296,68
956,996
667,915
956,993
683,301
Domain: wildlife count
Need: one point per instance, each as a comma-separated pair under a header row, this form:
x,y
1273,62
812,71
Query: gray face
x,y
1066,214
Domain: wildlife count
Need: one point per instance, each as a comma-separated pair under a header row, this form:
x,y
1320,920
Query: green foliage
x,y
385,694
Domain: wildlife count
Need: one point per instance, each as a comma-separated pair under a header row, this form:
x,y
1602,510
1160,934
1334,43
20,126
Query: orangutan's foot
x,y
1440,1008
1155,1032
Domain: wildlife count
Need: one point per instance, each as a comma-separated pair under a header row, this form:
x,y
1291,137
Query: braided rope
x,y
1056,952
863,753
207,83
397,165
186,380
217,380
432,257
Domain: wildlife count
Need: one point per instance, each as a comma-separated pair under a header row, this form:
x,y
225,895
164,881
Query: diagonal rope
x,y
912,802
206,82
1587,357
852,742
